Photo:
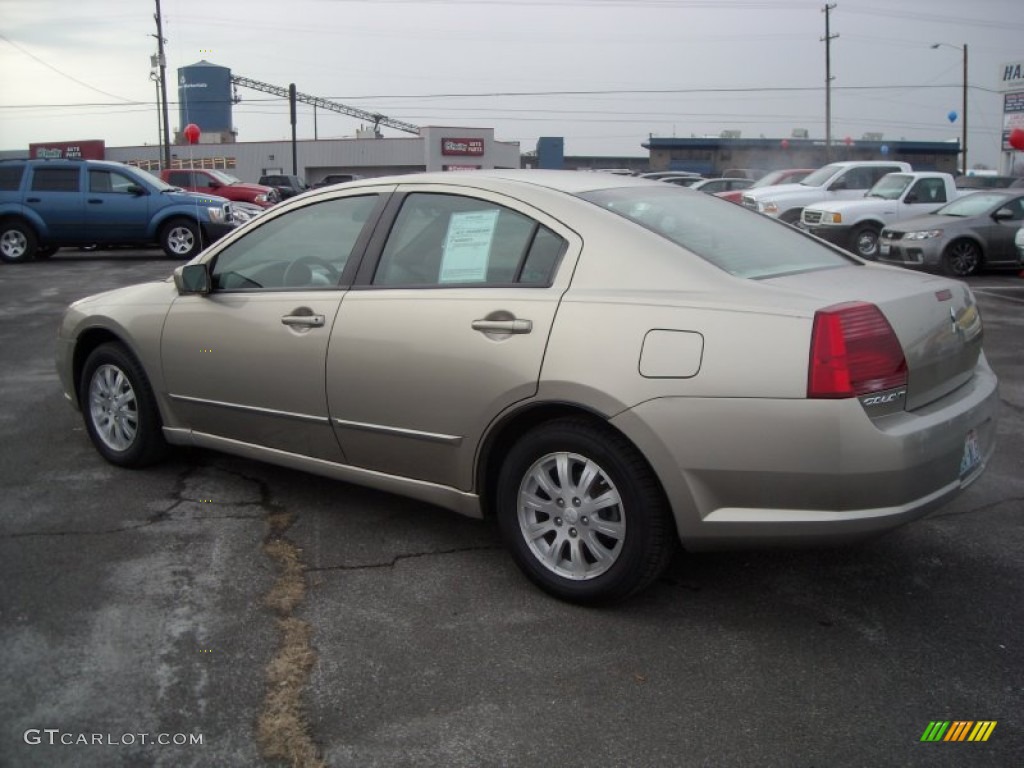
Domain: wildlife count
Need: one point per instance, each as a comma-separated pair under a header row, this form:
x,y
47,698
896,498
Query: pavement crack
x,y
282,728
405,556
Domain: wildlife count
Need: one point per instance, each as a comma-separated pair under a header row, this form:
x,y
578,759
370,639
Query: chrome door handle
x,y
503,326
309,321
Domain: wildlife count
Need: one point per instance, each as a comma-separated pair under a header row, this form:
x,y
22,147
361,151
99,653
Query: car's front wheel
x,y
961,259
181,239
582,513
119,408
17,242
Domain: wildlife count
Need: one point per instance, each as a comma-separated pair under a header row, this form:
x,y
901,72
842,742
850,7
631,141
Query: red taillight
x,y
854,351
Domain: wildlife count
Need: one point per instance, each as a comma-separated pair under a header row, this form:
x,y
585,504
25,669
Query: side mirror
x,y
1003,214
838,184
214,184
910,199
192,279
136,190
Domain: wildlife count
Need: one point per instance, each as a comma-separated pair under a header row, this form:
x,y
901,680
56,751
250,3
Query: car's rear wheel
x,y
582,513
181,239
119,408
865,241
18,242
962,258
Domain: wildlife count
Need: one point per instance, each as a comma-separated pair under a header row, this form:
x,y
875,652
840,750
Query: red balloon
x,y
191,133
848,141
1017,138
785,143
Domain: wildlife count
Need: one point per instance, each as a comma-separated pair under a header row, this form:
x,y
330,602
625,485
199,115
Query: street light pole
x,y
963,107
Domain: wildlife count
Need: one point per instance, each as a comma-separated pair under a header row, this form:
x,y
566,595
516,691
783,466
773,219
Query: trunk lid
x,y
935,319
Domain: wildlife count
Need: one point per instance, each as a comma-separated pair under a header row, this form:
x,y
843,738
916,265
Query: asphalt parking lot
x,y
142,614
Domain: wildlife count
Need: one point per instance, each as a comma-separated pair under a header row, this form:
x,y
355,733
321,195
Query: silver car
x,y
607,366
960,238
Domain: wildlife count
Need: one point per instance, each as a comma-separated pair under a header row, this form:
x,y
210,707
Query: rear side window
x,y
450,240
180,178
55,180
10,177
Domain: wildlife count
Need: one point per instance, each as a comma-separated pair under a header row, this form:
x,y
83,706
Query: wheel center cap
x,y
571,515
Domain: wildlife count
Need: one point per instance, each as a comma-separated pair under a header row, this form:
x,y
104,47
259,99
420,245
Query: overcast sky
x,y
80,69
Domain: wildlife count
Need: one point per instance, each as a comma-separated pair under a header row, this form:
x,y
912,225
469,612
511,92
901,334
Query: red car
x,y
222,185
786,176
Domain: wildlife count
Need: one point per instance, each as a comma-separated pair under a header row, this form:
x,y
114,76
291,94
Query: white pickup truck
x,y
835,181
856,224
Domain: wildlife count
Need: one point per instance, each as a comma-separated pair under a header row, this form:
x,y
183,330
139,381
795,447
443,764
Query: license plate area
x,y
972,454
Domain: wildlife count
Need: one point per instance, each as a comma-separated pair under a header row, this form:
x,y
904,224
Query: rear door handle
x,y
307,321
33,200
95,200
503,326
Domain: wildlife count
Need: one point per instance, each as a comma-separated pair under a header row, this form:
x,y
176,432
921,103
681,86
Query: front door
x,y
246,362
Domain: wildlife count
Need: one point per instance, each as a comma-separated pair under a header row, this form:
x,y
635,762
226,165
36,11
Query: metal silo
x,y
204,97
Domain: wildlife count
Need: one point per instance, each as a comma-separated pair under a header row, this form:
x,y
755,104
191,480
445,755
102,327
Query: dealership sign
x,y
473,147
1011,76
92,149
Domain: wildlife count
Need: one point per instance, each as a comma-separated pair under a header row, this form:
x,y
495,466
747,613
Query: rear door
x,y
445,329
55,194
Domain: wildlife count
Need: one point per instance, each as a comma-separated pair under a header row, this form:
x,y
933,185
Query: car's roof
x,y
570,182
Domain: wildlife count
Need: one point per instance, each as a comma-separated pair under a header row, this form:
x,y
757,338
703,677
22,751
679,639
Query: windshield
x,y
820,176
890,187
736,240
974,204
224,178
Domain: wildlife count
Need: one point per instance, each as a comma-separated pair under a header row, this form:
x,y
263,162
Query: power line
x,y
61,73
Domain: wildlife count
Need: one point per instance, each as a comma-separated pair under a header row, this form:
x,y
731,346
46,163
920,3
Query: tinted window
x,y
179,178
452,240
55,180
742,243
109,181
10,177
305,248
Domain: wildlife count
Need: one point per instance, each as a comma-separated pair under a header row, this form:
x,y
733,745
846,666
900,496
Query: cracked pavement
x,y
133,602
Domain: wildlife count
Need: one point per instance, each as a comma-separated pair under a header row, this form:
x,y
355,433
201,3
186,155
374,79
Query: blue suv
x,y
46,204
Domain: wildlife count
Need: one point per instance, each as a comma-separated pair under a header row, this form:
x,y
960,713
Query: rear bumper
x,y
751,473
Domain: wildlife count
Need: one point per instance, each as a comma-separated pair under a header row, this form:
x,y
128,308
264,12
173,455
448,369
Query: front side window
x,y
450,240
732,238
55,180
929,191
111,181
305,248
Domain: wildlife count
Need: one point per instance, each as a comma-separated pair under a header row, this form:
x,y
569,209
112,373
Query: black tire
x,y
46,251
962,258
18,242
119,408
615,549
181,239
864,241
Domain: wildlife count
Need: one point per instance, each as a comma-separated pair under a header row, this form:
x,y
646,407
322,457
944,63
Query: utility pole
x,y
291,109
162,61
965,111
828,38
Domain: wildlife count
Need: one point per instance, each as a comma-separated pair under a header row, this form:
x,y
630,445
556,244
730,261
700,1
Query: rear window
x,y
736,240
10,177
55,180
